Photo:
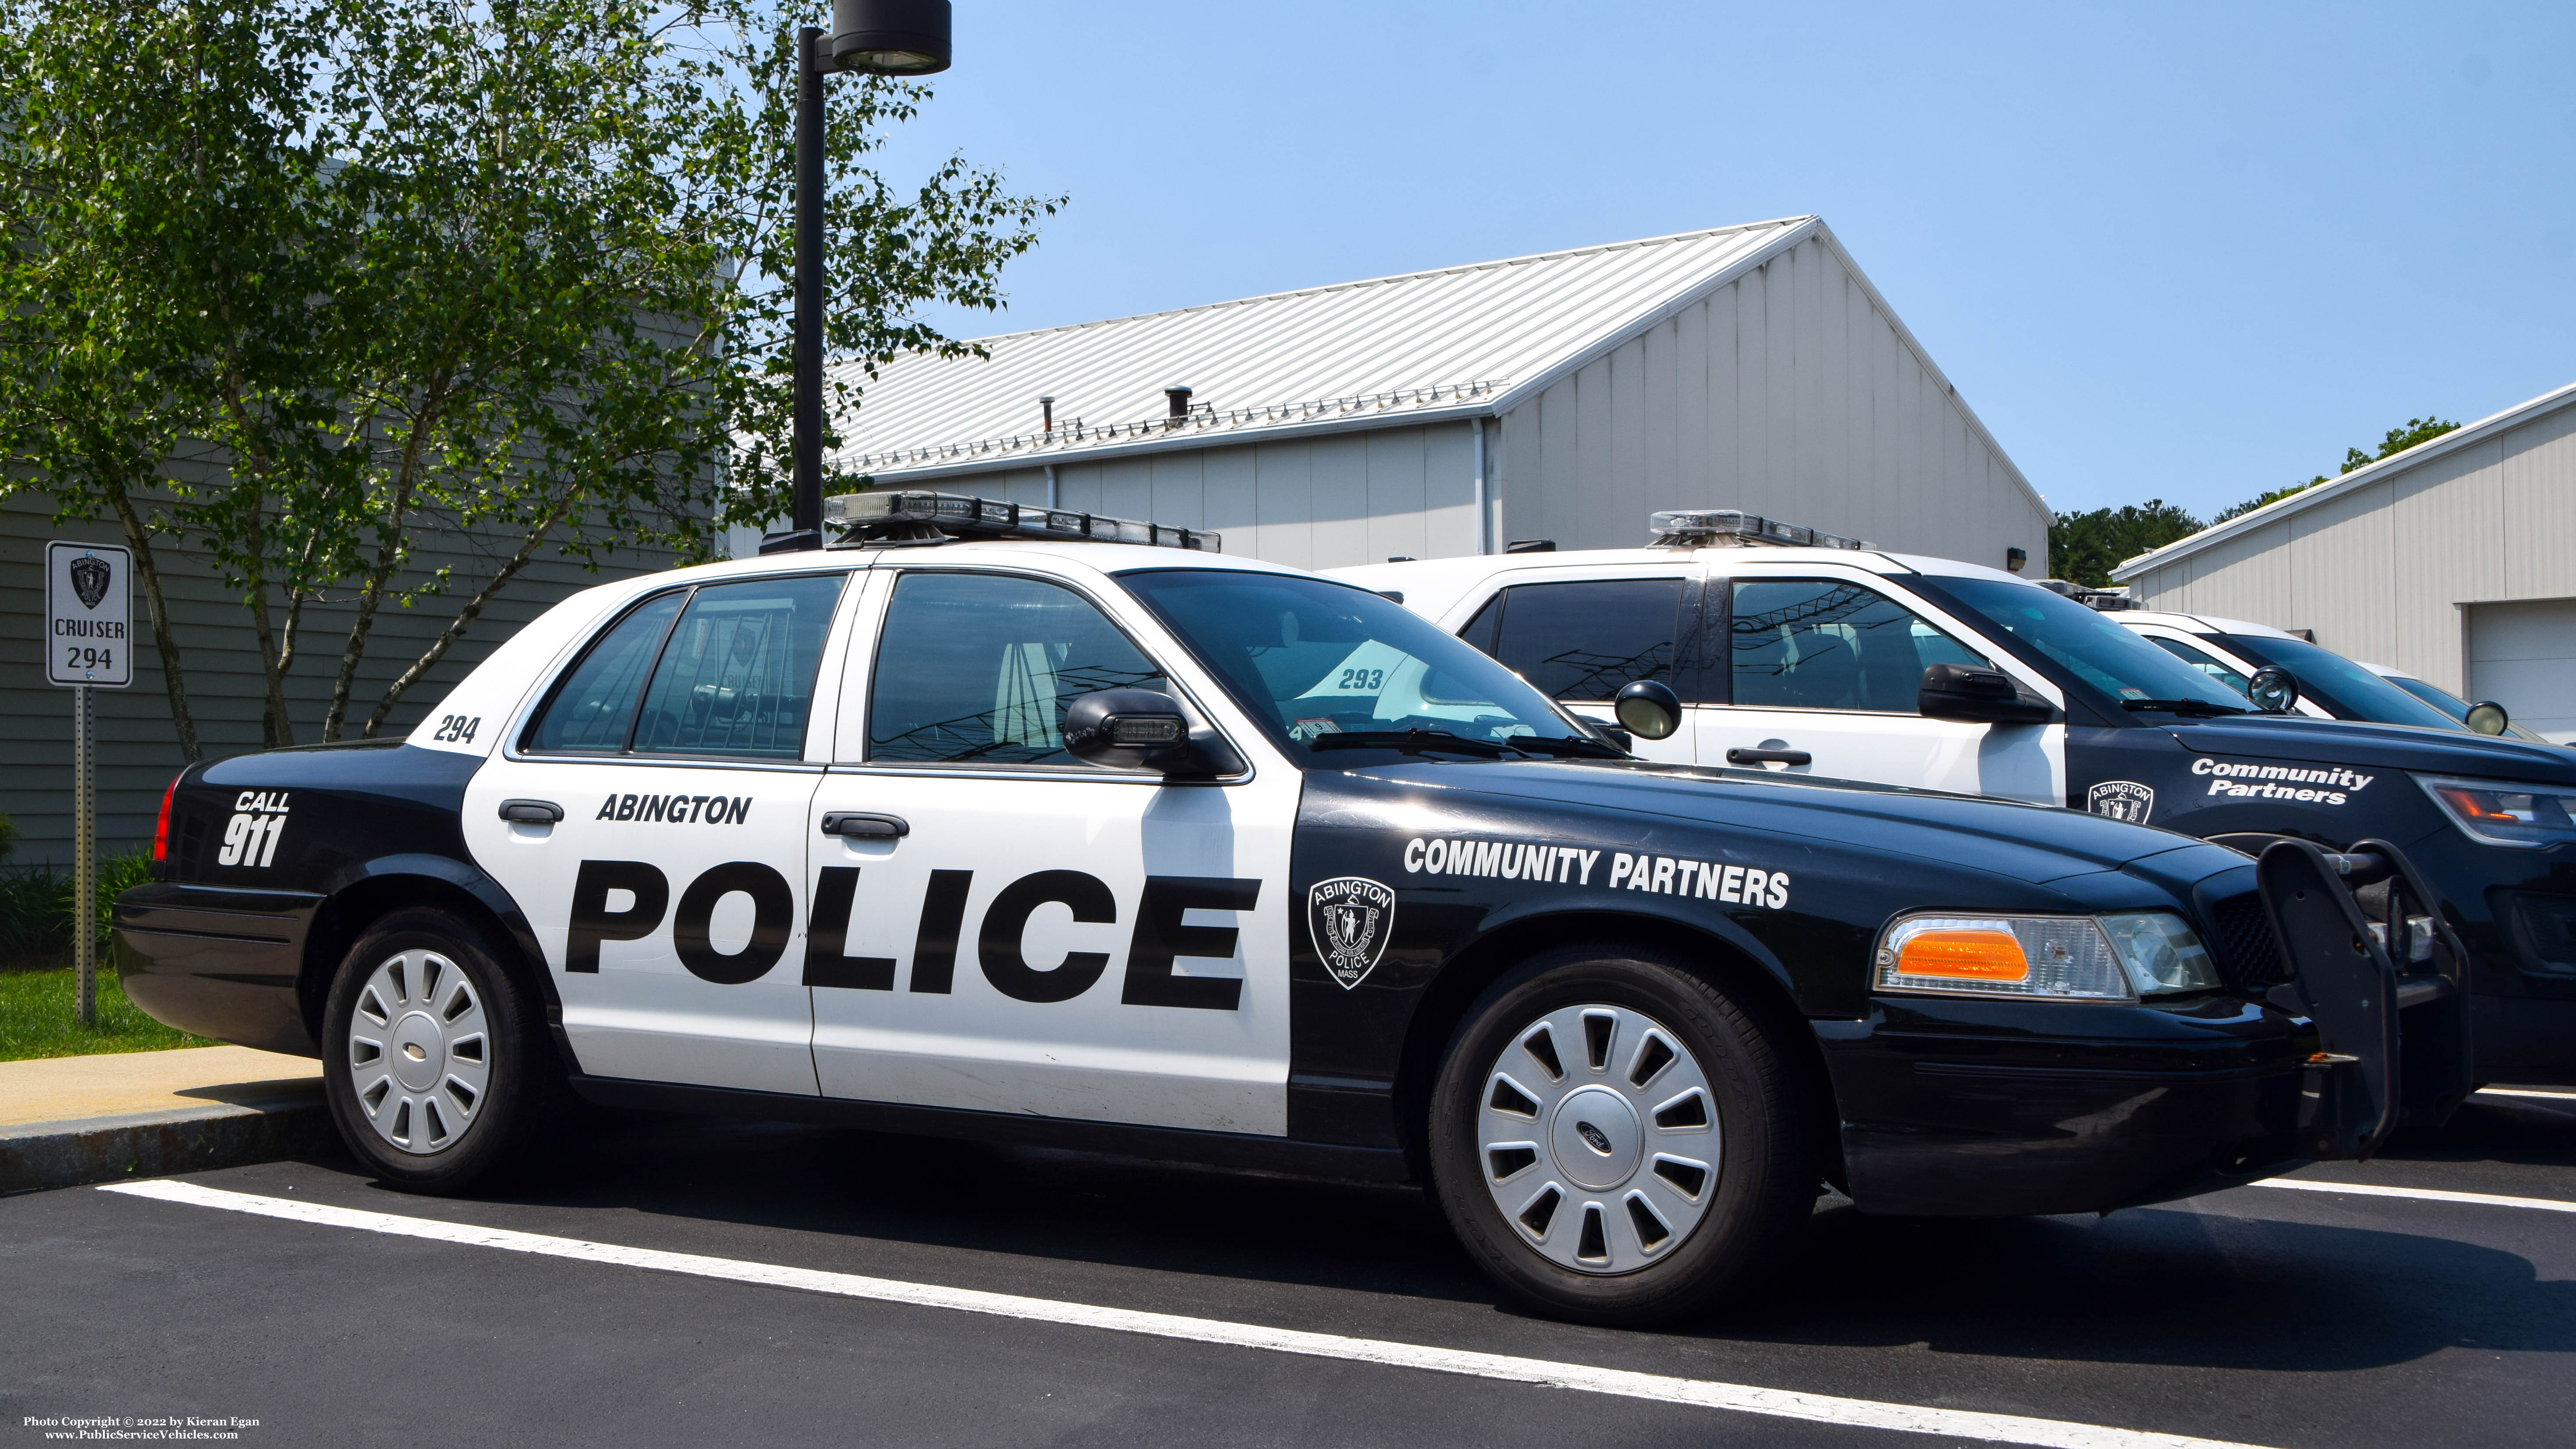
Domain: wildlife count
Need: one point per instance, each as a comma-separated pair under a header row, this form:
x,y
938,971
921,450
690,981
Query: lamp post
x,y
871,37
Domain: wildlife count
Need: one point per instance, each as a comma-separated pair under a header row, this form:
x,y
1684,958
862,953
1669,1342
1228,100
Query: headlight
x,y
2068,958
2501,813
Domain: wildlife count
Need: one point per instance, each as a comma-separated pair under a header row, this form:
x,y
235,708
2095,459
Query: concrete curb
x,y
37,1155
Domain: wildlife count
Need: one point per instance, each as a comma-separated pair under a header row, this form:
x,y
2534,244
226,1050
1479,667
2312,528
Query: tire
x,y
435,1059
1590,1194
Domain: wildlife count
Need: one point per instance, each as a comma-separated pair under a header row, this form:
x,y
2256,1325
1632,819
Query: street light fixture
x,y
871,37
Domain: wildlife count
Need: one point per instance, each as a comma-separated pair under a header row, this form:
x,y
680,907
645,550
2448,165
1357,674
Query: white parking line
x,y
2427,1194
1741,1398
2526,1092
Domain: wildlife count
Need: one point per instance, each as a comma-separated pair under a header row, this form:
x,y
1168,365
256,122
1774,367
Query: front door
x,y
669,898
1007,929
1822,677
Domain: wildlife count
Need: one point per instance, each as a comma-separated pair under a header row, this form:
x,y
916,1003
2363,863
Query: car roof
x,y
2201,623
1434,586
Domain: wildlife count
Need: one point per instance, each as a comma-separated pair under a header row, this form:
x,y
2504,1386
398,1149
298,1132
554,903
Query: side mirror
x,y
1140,729
2273,690
1971,695
2487,717
1648,709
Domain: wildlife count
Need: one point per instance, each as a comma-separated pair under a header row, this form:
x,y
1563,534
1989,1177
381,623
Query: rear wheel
x,y
435,1062
1616,1139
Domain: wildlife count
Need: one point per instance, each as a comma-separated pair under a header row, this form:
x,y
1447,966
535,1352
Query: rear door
x,y
1582,635
1022,932
669,897
1823,667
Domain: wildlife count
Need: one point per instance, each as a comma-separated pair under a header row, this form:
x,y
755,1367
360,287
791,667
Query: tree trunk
x,y
457,626
174,681
371,594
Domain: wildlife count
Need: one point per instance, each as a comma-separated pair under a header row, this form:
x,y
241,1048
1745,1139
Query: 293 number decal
x,y
457,727
1362,681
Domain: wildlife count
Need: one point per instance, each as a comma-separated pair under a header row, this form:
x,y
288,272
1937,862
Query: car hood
x,y
2299,739
2034,843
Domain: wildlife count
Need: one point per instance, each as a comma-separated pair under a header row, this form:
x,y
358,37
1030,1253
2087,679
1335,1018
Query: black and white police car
x,y
975,824
2325,684
1800,652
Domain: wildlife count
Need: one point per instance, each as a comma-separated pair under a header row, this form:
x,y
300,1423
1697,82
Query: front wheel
x,y
1616,1140
434,1059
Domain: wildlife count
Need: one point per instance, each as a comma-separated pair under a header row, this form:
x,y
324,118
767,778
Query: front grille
x,y
2249,957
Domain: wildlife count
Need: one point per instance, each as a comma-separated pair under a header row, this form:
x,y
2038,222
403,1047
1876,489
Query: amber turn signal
x,y
1967,955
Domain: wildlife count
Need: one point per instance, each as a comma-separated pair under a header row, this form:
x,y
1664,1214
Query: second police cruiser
x,y
977,824
1800,652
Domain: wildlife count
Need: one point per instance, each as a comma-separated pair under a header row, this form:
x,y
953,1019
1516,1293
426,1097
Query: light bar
x,y
907,517
1701,527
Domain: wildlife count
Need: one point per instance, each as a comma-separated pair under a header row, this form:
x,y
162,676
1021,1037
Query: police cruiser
x,y
1035,826
2320,681
1805,653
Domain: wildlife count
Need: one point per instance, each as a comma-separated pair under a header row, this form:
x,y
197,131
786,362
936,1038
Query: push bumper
x,y
1955,1106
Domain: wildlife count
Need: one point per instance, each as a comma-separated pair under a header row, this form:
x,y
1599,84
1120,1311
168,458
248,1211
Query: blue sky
x,y
2189,252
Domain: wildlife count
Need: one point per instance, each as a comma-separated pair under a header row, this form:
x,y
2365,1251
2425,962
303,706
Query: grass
x,y
35,969
36,1019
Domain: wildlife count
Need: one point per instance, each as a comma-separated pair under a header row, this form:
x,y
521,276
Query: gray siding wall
x,y
1787,392
1315,502
2383,572
137,751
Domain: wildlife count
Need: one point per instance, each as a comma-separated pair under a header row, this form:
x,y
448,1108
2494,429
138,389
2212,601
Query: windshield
x,y
2456,707
2343,687
2121,664
1310,659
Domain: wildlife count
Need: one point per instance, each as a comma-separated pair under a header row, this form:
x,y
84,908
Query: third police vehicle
x,y
1029,825
1804,653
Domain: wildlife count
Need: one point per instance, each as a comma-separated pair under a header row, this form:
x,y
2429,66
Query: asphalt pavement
x,y
957,1294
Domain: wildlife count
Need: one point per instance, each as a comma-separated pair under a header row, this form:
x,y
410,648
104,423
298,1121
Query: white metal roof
x,y
1457,341
2362,477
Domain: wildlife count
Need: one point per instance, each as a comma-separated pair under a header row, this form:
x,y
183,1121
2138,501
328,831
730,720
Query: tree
x,y
2084,547
2397,440
570,281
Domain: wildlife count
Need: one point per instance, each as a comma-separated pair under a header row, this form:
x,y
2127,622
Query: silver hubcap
x,y
1599,1138
419,1057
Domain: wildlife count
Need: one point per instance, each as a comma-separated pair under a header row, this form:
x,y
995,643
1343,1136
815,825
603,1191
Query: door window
x,y
1582,642
1824,644
981,667
737,677
2205,663
594,708
731,670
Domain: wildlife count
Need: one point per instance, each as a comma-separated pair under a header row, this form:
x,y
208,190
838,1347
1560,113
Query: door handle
x,y
1769,757
859,825
531,812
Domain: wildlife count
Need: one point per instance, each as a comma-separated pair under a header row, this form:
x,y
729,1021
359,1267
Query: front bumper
x,y
1959,1106
1968,1106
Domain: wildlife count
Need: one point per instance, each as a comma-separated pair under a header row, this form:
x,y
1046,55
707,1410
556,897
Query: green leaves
x,y
2085,547
517,273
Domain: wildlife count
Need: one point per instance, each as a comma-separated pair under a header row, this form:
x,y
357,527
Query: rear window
x,y
720,669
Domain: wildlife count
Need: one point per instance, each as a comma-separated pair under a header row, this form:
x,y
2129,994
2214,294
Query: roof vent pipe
x,y
1179,398
1046,413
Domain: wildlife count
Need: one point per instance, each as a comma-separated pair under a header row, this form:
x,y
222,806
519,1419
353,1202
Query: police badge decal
x,y
90,574
2121,800
1350,918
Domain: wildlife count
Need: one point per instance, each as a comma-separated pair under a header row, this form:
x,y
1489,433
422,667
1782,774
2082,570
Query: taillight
x,y
161,832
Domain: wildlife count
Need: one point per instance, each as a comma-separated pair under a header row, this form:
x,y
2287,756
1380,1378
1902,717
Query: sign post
x,y
89,617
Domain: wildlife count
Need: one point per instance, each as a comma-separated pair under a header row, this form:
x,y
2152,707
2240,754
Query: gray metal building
x,y
2454,561
1563,396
